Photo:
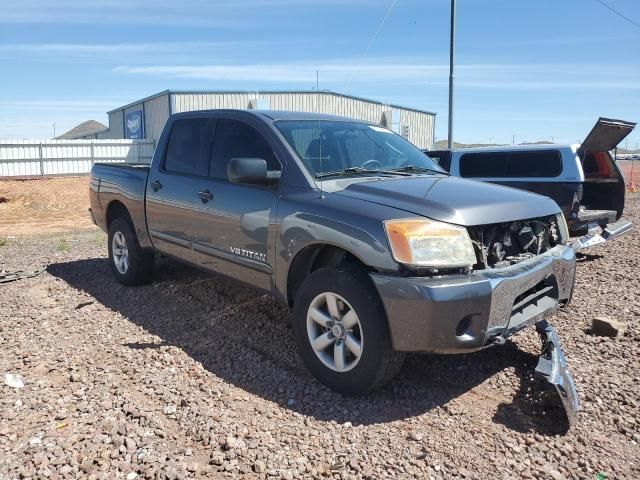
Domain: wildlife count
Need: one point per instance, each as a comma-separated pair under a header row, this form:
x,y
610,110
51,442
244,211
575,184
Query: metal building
x,y
145,118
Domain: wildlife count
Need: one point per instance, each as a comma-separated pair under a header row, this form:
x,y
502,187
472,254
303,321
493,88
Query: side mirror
x,y
252,171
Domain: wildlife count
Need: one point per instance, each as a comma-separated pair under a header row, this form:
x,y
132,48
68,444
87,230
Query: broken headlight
x,y
427,243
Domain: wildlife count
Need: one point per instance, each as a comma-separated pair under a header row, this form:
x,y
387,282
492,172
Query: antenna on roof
x,y
319,140
373,39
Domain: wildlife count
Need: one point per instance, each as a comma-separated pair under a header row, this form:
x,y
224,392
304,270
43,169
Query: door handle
x,y
205,195
156,185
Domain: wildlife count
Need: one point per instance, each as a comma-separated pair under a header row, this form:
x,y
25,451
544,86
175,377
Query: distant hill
x,y
442,144
85,128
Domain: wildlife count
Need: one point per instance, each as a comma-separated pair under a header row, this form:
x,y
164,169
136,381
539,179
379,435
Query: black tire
x,y
139,266
378,362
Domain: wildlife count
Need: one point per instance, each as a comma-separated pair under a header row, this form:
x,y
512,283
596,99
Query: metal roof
x,y
267,92
293,115
277,114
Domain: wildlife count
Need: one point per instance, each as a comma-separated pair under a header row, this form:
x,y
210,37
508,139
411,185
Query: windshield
x,y
326,146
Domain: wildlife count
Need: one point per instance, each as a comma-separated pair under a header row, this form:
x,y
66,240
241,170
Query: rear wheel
x,y
130,263
342,332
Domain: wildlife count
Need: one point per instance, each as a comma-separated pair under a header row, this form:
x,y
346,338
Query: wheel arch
x,y
116,209
311,258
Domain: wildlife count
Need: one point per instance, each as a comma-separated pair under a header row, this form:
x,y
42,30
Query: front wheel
x,y
341,331
130,263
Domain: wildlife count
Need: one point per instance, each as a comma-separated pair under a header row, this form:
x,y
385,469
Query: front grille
x,y
502,244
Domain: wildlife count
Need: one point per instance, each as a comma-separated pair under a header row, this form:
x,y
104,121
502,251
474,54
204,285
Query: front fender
x,y
317,223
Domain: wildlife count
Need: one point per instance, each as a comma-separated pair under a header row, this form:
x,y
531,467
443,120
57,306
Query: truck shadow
x,y
240,336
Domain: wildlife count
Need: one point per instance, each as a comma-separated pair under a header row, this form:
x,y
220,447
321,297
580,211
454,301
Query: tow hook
x,y
497,341
552,366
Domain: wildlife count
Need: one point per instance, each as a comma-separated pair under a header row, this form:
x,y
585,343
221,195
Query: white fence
x,y
33,158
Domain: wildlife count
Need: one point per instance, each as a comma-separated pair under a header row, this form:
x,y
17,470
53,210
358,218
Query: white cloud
x,y
198,13
337,73
89,49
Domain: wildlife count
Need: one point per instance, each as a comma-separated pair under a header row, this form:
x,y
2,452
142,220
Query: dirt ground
x,y
52,205
195,376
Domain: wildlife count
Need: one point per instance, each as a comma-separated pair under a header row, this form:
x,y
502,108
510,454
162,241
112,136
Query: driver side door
x,y
234,231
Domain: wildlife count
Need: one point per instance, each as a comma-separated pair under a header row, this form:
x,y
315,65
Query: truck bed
x,y
124,183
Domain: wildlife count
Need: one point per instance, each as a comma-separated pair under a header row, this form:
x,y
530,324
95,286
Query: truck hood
x,y
453,199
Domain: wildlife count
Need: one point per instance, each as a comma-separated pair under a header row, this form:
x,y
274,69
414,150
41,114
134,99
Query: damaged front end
x,y
510,243
552,367
503,244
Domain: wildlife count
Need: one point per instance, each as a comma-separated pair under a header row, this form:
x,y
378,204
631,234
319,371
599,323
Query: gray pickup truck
x,y
376,249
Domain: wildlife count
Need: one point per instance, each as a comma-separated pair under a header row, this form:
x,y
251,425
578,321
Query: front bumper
x,y
462,313
552,366
601,235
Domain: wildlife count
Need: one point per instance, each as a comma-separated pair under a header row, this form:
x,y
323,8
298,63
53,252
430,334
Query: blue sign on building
x,y
134,125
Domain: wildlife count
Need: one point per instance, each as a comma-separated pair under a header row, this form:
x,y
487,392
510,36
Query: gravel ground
x,y
195,376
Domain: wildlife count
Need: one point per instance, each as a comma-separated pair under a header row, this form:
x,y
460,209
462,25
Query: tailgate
x,y
605,135
603,187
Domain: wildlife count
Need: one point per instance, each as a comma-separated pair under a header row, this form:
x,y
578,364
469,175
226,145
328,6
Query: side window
x,y
235,139
189,146
483,164
541,163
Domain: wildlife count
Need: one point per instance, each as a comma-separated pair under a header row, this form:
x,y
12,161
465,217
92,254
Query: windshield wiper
x,y
415,169
356,171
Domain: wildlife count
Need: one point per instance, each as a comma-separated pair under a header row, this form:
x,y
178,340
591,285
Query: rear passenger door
x,y
235,223
171,187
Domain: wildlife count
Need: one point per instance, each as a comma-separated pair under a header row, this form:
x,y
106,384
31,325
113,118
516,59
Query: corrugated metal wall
x,y
116,125
26,158
188,102
156,110
421,127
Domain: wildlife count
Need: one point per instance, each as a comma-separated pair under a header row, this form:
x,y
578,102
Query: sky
x,y
525,70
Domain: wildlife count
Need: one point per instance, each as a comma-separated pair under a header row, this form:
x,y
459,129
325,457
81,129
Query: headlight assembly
x,y
427,243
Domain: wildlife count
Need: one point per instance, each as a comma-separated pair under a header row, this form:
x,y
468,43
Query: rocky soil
x,y
195,376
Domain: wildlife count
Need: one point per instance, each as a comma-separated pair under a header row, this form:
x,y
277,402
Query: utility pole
x,y
54,129
513,139
452,45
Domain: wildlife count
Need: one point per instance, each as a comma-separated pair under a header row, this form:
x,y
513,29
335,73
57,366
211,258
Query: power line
x,y
373,39
621,15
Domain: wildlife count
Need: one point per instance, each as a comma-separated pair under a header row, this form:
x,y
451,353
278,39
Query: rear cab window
x,y
189,146
529,164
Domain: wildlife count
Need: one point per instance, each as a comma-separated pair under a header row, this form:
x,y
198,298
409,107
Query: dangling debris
x,y
19,275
